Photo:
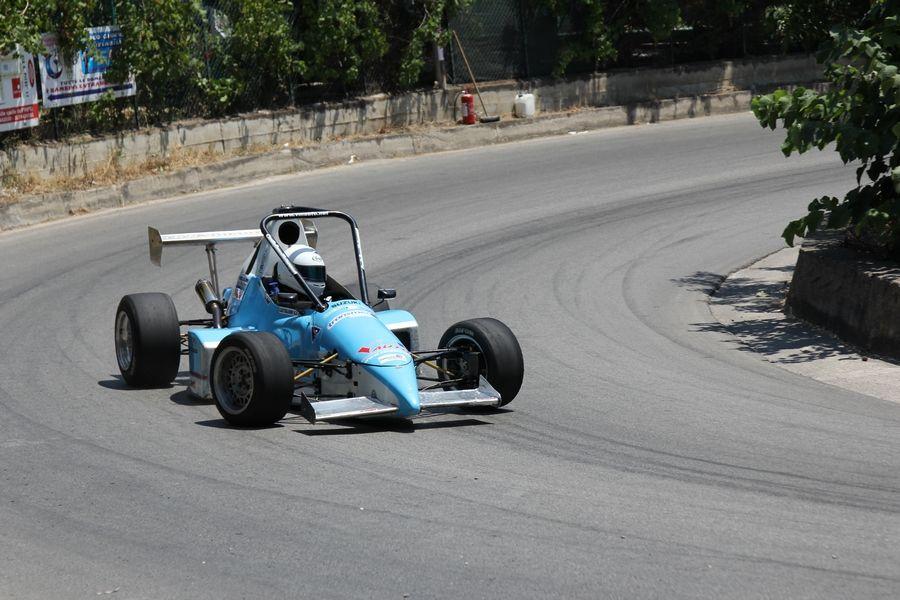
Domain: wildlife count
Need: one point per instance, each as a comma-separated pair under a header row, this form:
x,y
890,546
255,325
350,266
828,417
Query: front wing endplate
x,y
485,395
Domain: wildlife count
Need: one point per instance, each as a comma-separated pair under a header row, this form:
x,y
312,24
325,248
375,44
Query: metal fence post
x,y
524,30
440,73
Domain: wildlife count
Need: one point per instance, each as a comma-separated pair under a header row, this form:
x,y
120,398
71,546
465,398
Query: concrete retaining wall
x,y
378,113
46,207
848,292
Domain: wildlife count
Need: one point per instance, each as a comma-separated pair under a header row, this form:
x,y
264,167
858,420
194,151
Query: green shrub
x,y
23,21
261,56
161,46
341,38
860,115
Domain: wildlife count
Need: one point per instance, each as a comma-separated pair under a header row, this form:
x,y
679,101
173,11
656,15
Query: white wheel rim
x,y
233,380
124,341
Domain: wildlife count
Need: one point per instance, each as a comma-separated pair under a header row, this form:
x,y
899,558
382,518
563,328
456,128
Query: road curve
x,y
644,457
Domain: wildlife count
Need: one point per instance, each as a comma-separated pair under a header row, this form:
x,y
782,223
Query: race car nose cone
x,y
400,380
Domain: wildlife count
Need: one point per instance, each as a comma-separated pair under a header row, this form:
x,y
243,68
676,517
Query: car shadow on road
x,y
185,398
115,382
380,425
223,424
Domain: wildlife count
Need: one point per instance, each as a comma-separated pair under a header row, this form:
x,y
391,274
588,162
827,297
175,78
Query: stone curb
x,y
40,208
749,304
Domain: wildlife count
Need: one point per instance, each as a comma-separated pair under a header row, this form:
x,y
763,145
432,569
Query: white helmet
x,y
310,266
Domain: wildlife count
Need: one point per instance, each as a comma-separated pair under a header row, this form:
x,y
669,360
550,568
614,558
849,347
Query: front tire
x,y
252,379
501,356
148,340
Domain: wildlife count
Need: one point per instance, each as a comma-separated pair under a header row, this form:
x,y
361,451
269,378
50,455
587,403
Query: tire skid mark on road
x,y
609,439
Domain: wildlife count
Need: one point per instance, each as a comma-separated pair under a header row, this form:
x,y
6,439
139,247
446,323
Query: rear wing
x,y
209,239
201,238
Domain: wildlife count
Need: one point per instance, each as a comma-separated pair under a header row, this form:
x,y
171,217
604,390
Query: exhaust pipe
x,y
210,301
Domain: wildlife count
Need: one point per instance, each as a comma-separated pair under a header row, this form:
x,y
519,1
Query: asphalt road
x,y
644,457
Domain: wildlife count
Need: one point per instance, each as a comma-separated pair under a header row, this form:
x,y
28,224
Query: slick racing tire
x,y
252,379
148,340
372,289
501,360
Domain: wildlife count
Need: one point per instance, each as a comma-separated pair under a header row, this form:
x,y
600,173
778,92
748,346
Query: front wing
x,y
364,406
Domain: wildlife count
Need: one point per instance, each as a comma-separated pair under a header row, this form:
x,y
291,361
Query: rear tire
x,y
501,356
252,379
148,340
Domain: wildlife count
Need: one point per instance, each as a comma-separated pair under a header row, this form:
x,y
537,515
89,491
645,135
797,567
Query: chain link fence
x,y
510,39
494,41
506,39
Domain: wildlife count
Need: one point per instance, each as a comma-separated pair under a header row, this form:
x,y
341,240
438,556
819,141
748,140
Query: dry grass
x,y
13,186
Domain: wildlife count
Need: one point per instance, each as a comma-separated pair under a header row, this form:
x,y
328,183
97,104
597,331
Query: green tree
x,y
600,25
714,22
342,39
161,46
23,21
659,17
21,24
860,115
261,56
426,27
805,24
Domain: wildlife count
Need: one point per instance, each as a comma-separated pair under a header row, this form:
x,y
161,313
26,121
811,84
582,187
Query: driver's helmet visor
x,y
312,274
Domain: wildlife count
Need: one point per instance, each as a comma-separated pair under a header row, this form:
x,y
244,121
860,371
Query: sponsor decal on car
x,y
384,353
393,357
343,302
350,314
380,348
239,288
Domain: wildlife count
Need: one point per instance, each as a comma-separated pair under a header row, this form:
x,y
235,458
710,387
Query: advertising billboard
x,y
18,92
84,79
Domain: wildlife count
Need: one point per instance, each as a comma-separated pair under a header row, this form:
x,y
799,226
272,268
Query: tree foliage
x,y
160,44
600,25
425,22
23,21
260,58
806,23
341,37
210,57
860,115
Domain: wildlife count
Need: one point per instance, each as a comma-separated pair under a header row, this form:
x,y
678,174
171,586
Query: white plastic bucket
x,y
524,106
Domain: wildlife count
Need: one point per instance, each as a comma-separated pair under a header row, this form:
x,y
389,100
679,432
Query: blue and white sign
x,y
84,79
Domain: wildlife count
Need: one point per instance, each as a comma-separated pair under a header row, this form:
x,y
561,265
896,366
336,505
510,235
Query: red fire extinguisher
x,y
468,108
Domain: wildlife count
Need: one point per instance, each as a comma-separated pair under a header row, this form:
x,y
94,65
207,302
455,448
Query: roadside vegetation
x,y
859,116
206,58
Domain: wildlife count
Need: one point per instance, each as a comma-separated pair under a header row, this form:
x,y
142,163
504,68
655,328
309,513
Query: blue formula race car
x,y
287,334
